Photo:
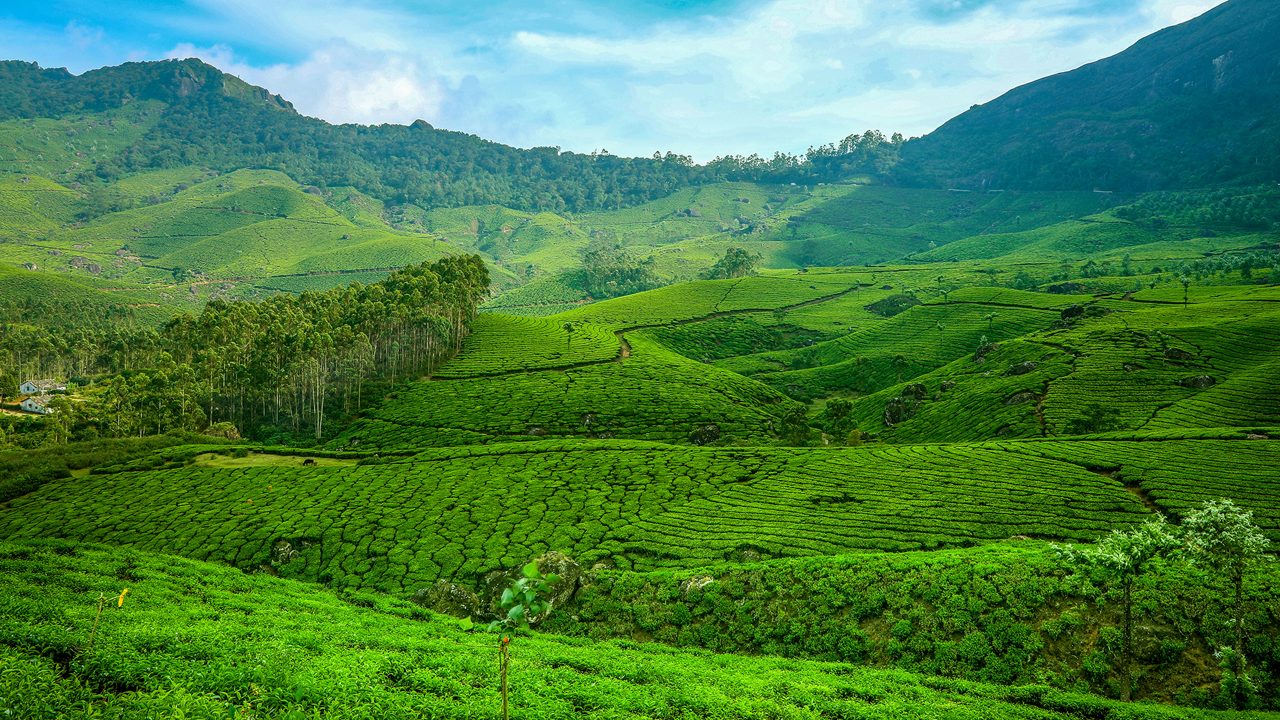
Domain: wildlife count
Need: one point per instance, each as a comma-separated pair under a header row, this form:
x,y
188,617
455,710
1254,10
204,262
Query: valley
x,y
311,420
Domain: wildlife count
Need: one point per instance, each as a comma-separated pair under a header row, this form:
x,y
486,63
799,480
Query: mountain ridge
x,y
1190,105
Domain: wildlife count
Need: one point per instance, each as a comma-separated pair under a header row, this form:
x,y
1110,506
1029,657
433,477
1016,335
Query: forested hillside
x,y
1191,106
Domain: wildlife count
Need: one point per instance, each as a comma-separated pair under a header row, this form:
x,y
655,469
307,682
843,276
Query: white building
x,y
37,404
41,387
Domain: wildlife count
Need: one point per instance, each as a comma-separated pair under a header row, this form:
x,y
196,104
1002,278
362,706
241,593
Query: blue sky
x,y
700,77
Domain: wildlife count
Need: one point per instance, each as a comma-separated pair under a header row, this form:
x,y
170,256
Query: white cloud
x,y
785,74
1172,12
342,83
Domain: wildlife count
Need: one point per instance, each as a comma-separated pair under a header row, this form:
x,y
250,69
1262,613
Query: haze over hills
x,y
938,428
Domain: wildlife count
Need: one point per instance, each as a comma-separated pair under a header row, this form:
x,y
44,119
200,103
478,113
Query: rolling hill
x,y
854,480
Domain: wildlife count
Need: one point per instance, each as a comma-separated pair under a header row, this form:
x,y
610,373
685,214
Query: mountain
x,y
186,112
1193,105
27,90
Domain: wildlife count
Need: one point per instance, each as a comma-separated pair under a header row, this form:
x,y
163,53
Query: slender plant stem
x,y
102,602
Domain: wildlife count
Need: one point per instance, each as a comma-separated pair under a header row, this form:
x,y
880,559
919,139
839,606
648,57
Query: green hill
x,y
850,464
1189,106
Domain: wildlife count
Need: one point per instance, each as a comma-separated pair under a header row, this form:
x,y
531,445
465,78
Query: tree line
x,y
286,364
217,121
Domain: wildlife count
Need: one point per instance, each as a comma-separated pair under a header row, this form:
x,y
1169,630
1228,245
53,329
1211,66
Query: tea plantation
x,y
457,514
798,437
196,640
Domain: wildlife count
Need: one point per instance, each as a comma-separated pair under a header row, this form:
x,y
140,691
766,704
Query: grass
x,y
1137,360
202,641
258,460
59,300
255,225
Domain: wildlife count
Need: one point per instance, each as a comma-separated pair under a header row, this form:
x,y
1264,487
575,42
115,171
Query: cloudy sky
x,y
700,77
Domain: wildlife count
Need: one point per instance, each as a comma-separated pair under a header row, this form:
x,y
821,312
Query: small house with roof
x,y
41,387
38,404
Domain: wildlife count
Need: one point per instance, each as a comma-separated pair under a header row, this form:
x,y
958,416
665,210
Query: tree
x,y
1186,285
990,318
794,427
568,335
899,365
1225,538
1120,559
736,263
527,598
945,289
611,271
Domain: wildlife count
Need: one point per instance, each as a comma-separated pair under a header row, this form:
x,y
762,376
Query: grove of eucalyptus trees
x,y
283,364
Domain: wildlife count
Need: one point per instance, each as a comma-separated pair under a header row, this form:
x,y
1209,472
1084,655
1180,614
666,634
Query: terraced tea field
x,y
459,513
1193,471
505,345
652,394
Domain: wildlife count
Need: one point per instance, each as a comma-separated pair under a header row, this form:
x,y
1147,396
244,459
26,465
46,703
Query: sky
x,y
697,77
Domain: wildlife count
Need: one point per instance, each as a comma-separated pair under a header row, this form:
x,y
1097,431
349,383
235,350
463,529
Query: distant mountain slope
x,y
1193,105
219,121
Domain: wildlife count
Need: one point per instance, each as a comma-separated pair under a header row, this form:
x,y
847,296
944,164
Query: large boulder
x,y
450,599
900,409
1020,368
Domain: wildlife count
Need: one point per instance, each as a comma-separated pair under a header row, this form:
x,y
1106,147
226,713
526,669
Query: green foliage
x,y
204,641
458,513
1253,207
1121,559
650,394
25,470
507,345
735,263
1003,612
609,271
1225,537
526,599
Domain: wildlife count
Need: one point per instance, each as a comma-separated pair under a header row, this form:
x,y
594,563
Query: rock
x,y
1197,381
980,355
947,385
450,599
1256,436
1022,397
1021,368
1178,354
1072,312
705,434
915,390
696,582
